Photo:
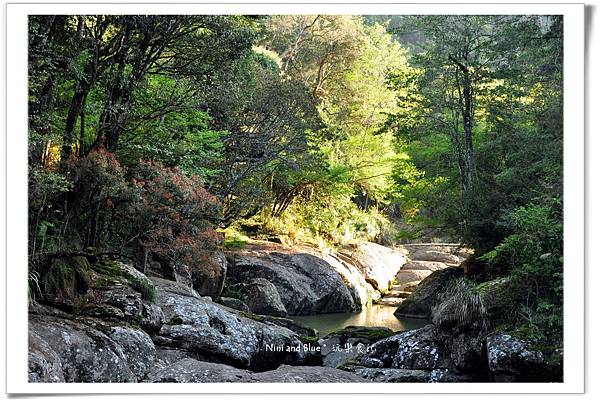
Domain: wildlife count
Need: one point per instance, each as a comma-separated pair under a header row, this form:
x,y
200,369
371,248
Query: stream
x,y
370,316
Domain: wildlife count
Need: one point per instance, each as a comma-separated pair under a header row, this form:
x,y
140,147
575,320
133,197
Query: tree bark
x,y
466,97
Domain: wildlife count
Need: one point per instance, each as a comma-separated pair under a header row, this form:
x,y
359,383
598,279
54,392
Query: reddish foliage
x,y
169,213
175,214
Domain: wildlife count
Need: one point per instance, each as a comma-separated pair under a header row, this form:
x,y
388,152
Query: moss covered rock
x,y
65,282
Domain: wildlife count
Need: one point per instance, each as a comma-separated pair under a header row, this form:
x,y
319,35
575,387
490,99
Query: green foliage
x,y
61,278
235,240
231,291
178,135
534,246
144,287
45,191
532,255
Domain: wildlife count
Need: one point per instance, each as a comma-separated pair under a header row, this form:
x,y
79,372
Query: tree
x,y
458,60
267,121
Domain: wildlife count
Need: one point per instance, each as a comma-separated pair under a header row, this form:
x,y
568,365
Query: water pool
x,y
370,316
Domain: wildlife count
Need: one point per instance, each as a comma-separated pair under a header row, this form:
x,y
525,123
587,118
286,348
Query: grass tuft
x,y
460,308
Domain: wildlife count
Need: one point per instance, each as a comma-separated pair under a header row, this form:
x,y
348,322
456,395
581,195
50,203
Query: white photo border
x,y
16,202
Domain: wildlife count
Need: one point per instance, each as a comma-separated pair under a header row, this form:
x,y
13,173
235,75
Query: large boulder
x,y
86,353
512,359
390,301
341,346
302,331
377,263
219,334
45,365
362,291
496,294
138,349
415,349
421,301
432,246
420,355
262,297
467,353
152,317
306,283
424,265
193,371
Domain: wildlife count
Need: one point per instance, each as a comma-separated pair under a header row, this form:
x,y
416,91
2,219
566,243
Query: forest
x,y
163,141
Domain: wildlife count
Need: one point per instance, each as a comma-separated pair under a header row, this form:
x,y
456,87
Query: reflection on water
x,y
374,315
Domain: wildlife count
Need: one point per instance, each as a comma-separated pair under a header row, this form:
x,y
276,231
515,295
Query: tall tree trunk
x,y
468,128
75,109
79,98
466,100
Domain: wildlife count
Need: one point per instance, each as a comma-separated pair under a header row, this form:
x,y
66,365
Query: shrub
x,y
96,203
173,216
533,256
147,209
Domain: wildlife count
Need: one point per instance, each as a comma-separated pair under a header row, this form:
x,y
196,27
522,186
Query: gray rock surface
x,y
306,284
436,256
44,364
152,317
234,303
362,291
467,353
138,349
424,265
407,276
307,374
262,297
378,264
193,371
344,345
420,302
391,375
390,301
86,354
289,324
510,356
415,349
203,327
190,370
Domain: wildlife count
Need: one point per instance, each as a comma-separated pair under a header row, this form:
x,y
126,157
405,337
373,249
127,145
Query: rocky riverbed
x,y
97,320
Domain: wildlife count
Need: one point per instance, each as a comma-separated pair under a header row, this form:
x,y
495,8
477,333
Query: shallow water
x,y
371,316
